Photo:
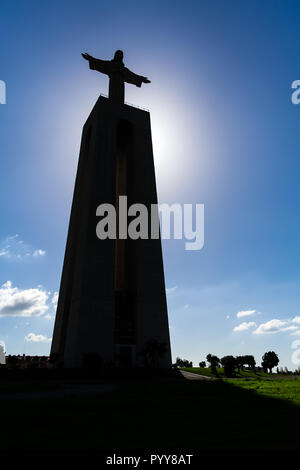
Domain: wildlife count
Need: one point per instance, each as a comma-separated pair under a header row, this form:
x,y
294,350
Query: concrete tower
x,y
112,298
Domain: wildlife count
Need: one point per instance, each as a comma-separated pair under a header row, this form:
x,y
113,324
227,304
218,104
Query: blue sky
x,y
225,134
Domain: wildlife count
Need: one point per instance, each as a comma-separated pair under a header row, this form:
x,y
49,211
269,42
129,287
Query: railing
x,y
136,106
129,104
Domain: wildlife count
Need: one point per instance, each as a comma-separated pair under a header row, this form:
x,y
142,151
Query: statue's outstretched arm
x,y
102,66
131,77
86,56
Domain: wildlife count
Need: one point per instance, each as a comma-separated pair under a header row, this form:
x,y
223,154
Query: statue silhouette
x,y
118,74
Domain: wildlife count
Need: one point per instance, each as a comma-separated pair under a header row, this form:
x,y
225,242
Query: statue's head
x,y
118,57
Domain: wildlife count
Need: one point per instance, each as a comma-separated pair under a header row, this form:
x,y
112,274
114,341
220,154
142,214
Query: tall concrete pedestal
x,y
112,298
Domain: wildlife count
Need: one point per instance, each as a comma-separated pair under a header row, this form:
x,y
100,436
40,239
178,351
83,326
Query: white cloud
x,y
296,333
15,302
245,313
271,326
186,306
39,253
15,249
245,326
54,300
32,337
227,317
275,325
169,290
289,328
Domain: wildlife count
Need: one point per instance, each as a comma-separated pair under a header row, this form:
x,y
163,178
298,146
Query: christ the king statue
x,y
118,74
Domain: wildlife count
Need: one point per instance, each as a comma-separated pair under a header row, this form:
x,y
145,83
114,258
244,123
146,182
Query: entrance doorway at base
x,y
125,355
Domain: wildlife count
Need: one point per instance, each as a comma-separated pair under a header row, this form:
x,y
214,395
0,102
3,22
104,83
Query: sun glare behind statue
x,y
172,140
172,149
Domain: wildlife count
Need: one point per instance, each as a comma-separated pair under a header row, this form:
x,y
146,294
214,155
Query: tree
x,y
202,364
214,362
183,362
240,361
229,363
152,351
250,361
269,360
179,362
245,360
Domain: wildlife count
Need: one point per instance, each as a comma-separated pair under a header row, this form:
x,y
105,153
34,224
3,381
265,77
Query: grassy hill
x,y
246,413
283,387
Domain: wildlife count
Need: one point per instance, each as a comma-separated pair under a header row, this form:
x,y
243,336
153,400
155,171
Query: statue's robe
x,y
118,75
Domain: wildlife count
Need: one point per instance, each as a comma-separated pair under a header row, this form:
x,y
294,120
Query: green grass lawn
x,y
283,387
280,388
165,413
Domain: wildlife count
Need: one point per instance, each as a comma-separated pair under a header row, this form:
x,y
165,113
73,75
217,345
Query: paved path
x,y
192,376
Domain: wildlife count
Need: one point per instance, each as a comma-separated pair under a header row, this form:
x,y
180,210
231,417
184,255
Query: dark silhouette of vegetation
x,y
214,362
240,362
183,362
248,360
202,364
229,363
269,360
152,351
